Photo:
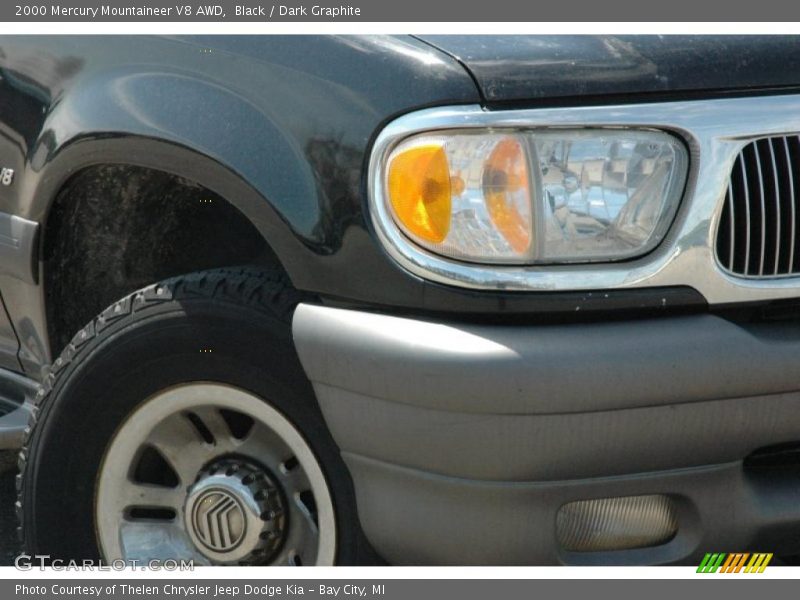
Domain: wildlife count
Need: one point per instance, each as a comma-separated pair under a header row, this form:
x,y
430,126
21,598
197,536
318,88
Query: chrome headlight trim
x,y
714,130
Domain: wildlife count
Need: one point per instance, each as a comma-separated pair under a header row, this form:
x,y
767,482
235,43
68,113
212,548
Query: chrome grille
x,y
757,235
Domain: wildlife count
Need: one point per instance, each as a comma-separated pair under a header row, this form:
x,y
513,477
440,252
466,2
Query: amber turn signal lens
x,y
419,191
505,185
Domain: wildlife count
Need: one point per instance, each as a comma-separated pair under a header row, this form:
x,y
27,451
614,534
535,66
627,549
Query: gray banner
x,y
405,10
733,587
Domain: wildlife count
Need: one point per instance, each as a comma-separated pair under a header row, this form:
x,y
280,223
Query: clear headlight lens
x,y
538,196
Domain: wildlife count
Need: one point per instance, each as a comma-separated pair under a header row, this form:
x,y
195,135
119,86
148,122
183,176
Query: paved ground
x,y
8,522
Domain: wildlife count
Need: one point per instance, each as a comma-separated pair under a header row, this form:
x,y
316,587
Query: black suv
x,y
423,300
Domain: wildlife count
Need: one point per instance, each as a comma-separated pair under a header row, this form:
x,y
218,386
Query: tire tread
x,y
266,291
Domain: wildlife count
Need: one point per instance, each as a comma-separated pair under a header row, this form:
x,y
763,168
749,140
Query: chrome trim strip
x,y
715,131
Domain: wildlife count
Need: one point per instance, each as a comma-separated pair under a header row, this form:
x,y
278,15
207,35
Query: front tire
x,y
180,424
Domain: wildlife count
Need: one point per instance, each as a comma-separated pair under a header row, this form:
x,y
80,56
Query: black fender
x,y
280,127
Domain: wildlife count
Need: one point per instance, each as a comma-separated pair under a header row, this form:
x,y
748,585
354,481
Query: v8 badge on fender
x,y
6,176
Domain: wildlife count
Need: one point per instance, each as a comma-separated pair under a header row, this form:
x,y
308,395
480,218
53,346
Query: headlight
x,y
537,196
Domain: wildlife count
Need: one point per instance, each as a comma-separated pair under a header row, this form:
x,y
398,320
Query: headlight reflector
x,y
536,196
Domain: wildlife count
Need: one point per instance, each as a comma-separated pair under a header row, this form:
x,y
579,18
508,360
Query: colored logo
x,y
737,562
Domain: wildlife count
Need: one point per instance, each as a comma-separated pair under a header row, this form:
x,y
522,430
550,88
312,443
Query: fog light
x,y
616,523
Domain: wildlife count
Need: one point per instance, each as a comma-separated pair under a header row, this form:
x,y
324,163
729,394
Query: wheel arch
x,y
214,137
135,151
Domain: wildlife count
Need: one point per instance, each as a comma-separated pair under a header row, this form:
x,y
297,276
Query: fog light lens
x,y
616,523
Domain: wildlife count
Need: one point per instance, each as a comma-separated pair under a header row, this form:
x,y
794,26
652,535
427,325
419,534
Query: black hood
x,y
523,68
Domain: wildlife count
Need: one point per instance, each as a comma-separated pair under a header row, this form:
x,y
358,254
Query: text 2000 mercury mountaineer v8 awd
x,y
421,300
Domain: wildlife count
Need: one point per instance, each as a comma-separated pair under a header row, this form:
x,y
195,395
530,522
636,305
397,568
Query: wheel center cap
x,y
234,513
218,519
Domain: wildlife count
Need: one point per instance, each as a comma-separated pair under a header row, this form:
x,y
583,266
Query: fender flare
x,y
240,153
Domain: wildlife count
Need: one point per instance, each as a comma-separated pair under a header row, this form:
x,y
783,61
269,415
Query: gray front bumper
x,y
464,440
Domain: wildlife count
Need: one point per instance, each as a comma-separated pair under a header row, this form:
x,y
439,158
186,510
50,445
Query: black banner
x,y
733,588
392,11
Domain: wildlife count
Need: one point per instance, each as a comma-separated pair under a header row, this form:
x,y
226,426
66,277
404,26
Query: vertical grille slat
x,y
757,233
777,201
747,219
793,217
731,228
762,215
